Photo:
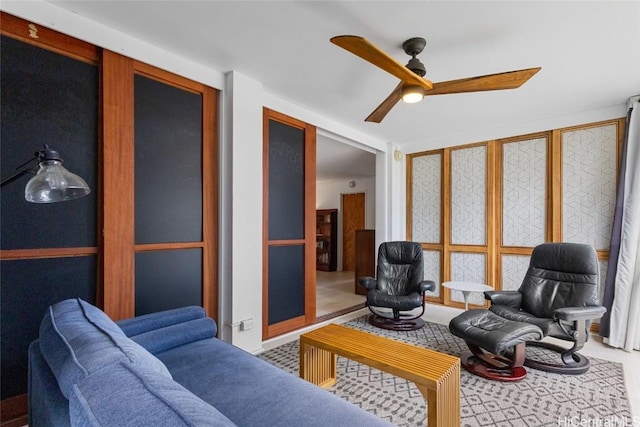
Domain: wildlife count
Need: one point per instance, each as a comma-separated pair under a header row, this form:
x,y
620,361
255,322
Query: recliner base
x,y
495,366
574,363
477,367
396,324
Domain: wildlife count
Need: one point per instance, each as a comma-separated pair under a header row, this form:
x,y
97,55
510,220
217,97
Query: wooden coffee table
x,y
436,375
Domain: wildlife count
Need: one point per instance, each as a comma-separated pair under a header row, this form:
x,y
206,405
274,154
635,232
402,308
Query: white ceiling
x,y
589,52
338,161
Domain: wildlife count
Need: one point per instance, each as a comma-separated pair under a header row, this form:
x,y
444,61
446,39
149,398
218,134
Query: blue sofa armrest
x,y
163,339
47,405
149,322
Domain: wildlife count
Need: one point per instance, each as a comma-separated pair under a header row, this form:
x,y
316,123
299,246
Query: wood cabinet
x,y
365,257
326,239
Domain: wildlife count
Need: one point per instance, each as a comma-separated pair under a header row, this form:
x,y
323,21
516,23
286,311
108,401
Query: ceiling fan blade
x,y
383,109
499,81
361,47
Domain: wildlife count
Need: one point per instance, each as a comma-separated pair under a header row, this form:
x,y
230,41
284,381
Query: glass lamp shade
x,y
412,94
53,183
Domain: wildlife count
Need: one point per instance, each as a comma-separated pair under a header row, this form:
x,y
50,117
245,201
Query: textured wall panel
x,y
426,198
468,268
524,166
469,196
432,270
514,267
589,185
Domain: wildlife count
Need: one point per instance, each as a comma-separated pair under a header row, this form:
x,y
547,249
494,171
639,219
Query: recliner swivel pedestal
x,y
497,345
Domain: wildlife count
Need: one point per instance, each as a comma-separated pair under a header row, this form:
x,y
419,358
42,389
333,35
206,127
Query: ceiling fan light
x,y
412,94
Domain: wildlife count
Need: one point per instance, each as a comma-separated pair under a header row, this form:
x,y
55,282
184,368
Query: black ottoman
x,y
497,345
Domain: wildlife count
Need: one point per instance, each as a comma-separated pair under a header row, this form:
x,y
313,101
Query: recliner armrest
x,y
508,298
368,282
427,285
571,314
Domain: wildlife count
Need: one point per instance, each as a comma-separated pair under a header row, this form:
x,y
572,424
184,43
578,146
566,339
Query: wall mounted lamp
x,y
52,183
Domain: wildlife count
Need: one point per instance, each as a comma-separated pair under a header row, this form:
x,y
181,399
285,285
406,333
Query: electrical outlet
x,y
247,324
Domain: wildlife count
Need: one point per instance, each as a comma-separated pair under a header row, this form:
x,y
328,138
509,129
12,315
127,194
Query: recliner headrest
x,y
556,257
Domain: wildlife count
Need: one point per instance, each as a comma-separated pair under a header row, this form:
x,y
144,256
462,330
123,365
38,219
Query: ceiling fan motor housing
x,y
413,47
417,67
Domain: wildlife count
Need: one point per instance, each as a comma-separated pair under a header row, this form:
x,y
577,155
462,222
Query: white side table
x,y
466,288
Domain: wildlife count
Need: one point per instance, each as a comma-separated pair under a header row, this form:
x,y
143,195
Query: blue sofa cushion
x,y
127,395
233,381
149,322
176,335
77,339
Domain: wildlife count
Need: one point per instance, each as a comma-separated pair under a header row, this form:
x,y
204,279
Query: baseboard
x,y
13,412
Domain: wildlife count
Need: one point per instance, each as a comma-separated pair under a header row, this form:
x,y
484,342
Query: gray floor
x,y
335,292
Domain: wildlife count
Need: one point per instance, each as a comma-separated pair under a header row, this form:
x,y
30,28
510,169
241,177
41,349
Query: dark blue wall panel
x,y
168,279
28,287
168,163
50,99
286,182
286,283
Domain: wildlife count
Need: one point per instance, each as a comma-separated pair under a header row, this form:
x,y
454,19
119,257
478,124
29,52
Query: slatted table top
x,y
420,365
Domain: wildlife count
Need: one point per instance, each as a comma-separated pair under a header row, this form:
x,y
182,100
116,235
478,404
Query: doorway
x,y
343,168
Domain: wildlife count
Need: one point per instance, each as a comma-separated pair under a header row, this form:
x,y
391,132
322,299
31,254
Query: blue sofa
x,y
164,369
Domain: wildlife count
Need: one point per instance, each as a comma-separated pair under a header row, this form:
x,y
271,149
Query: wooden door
x,y
289,234
365,258
352,220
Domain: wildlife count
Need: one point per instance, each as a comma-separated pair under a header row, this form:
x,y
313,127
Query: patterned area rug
x,y
597,397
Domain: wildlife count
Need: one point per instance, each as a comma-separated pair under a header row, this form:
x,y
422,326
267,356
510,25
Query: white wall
x,y
329,196
396,164
241,211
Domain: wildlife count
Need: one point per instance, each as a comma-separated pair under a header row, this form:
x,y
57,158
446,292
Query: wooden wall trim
x,y
494,217
43,37
408,217
265,222
554,197
286,326
445,293
210,168
150,247
310,223
117,290
13,411
9,254
169,78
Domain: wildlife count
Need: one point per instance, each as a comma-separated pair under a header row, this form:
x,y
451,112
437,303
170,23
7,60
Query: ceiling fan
x,y
413,86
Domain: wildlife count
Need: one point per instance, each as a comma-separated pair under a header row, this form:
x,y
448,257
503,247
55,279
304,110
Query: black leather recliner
x,y
559,294
398,286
